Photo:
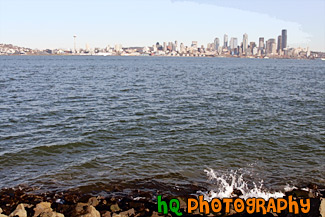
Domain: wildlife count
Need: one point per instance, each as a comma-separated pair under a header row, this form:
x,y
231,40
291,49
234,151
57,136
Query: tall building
x,y
233,43
279,44
245,43
216,44
176,46
284,39
261,43
271,46
182,48
225,41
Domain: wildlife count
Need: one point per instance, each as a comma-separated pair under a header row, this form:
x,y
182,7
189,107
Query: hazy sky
x,y
52,24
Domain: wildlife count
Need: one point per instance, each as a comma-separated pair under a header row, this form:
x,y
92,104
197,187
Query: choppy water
x,y
129,121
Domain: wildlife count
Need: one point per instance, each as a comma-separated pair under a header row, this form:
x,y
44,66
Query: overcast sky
x,y
52,24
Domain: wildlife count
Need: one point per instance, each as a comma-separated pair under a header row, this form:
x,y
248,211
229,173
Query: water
x,y
159,123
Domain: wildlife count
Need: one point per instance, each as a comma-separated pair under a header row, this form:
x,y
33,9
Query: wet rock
x,y
19,211
322,207
86,210
299,193
237,192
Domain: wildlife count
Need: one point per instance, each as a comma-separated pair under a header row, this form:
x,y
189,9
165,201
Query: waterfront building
x,y
284,39
279,44
271,47
216,44
225,41
261,43
245,43
233,43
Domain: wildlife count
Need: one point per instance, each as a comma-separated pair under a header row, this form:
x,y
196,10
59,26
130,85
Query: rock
x,y
42,207
300,193
237,192
51,214
155,214
19,211
93,201
322,207
86,210
182,203
128,213
115,208
107,214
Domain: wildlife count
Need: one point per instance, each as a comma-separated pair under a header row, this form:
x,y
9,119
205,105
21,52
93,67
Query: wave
x,y
233,184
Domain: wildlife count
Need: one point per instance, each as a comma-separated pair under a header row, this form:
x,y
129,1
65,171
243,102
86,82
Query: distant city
x,y
271,48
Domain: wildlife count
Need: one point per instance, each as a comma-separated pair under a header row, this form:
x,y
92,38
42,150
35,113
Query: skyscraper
x,y
245,43
261,43
233,43
216,44
271,46
284,39
225,41
279,44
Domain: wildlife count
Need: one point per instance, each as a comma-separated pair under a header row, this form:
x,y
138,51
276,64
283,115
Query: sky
x,y
52,23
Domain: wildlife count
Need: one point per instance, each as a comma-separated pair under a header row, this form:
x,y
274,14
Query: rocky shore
x,y
22,203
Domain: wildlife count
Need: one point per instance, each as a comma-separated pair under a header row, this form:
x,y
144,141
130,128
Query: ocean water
x,y
156,123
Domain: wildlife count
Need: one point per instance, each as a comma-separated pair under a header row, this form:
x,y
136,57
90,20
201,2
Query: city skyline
x,y
141,23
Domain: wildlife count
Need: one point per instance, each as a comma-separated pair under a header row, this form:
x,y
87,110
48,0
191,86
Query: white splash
x,y
226,184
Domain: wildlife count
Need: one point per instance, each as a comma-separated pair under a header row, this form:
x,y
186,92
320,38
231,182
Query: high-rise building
x,y
176,46
225,41
261,43
233,43
245,43
279,44
284,39
252,45
182,48
216,44
271,46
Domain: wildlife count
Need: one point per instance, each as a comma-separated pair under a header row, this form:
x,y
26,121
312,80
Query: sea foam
x,y
226,184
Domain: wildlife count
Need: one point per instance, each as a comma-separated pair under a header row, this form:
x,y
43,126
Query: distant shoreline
x,y
232,57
